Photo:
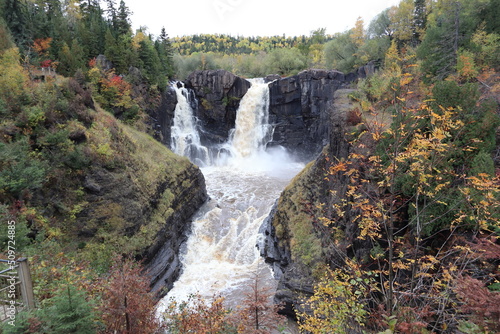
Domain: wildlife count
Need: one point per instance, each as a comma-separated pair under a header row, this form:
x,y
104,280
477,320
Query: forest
x,y
422,176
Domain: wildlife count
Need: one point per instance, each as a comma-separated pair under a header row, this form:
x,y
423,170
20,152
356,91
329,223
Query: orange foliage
x,y
42,45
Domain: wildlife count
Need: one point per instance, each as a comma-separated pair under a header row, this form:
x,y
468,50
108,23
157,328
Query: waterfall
x,y
252,131
185,139
220,256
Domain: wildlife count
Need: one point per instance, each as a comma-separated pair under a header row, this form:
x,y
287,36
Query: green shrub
x,y
448,94
20,227
482,163
76,158
20,170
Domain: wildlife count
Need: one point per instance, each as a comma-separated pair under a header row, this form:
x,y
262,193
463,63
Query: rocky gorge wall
x,y
141,202
295,243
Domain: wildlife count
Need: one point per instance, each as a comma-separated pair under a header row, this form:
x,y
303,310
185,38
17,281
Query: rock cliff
x,y
139,201
297,109
295,243
218,93
297,106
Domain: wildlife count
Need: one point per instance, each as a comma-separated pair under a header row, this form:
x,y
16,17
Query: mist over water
x,y
220,256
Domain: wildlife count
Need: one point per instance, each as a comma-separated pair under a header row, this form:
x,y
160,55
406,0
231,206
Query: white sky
x,y
252,17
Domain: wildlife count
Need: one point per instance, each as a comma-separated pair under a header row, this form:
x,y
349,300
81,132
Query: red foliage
x,y
92,62
481,302
354,117
128,307
46,63
487,248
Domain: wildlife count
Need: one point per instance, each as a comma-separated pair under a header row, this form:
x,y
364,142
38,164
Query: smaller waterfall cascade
x,y
185,139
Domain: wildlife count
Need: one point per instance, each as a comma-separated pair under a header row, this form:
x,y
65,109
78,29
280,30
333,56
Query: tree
x,y
122,23
286,61
258,313
197,315
380,26
165,51
151,64
128,307
419,21
70,313
16,18
402,21
72,59
340,52
13,78
335,306
358,33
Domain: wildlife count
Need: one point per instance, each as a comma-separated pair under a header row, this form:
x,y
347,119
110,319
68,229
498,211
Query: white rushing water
x,y
220,256
185,139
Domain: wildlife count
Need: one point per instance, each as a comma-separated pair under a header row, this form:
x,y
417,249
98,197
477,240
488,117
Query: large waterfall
x,y
220,256
252,131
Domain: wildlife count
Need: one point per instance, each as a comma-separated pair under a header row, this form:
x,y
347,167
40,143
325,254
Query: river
x,y
243,179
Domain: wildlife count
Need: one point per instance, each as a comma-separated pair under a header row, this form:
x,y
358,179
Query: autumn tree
x,y
127,306
199,316
408,181
338,304
258,313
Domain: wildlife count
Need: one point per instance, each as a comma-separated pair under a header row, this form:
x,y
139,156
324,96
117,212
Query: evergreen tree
x,y
123,26
71,59
419,21
111,12
151,62
165,53
92,29
15,15
70,313
440,45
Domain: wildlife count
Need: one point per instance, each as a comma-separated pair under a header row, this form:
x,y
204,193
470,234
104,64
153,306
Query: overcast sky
x,y
252,17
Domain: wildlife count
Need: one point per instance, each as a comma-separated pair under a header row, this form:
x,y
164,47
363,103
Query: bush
x,y
20,170
70,312
448,94
482,163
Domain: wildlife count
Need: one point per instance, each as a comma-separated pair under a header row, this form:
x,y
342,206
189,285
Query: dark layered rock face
x,y
163,255
218,93
299,110
293,255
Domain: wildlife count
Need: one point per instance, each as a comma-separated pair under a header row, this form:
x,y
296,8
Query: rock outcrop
x,y
218,93
294,243
143,199
298,110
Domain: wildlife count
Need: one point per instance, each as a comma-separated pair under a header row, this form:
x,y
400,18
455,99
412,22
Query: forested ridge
x,y
422,189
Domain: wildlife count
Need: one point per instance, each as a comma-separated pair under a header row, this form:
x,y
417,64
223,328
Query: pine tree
x,y
70,313
123,26
165,51
16,17
419,21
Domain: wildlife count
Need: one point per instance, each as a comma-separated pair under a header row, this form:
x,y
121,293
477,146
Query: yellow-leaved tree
x,y
415,195
13,78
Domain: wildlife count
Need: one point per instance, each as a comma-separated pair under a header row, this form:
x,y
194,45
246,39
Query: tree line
x,y
66,35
